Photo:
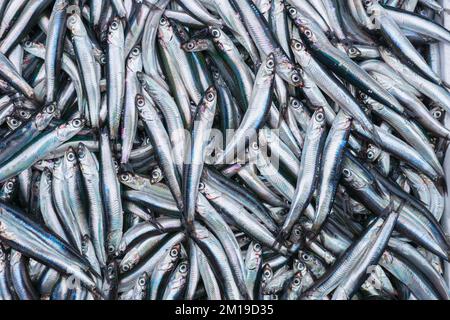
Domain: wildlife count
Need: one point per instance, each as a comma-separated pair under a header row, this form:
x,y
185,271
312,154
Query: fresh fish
x,y
224,150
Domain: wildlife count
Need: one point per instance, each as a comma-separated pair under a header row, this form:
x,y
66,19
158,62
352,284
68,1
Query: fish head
x,y
196,45
47,114
115,32
165,30
69,129
75,25
298,46
267,274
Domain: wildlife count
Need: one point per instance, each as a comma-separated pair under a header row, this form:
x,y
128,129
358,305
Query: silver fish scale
x,y
232,149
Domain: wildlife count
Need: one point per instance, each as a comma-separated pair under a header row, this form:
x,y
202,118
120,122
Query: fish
x,y
224,150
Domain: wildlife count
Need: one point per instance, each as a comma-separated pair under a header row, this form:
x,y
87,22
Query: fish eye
x,y
28,43
295,78
111,249
215,32
114,25
255,145
295,104
306,257
370,155
173,253
70,156
347,173
77,123
292,11
9,185
124,177
163,21
201,186
183,268
14,122
267,273
437,114
136,51
142,281
296,281
156,174
308,33
298,45
257,247
125,267
140,102
190,45
320,116
210,96
270,63
51,108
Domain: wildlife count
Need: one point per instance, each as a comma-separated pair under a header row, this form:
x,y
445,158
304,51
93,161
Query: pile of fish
x,y
224,149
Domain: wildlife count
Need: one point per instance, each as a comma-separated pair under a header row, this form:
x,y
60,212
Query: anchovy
x,y
87,66
25,134
310,164
36,150
54,47
330,167
224,150
110,187
160,141
265,40
115,75
258,107
195,155
28,16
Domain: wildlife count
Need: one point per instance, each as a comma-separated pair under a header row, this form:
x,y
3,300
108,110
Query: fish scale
x,y
232,149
